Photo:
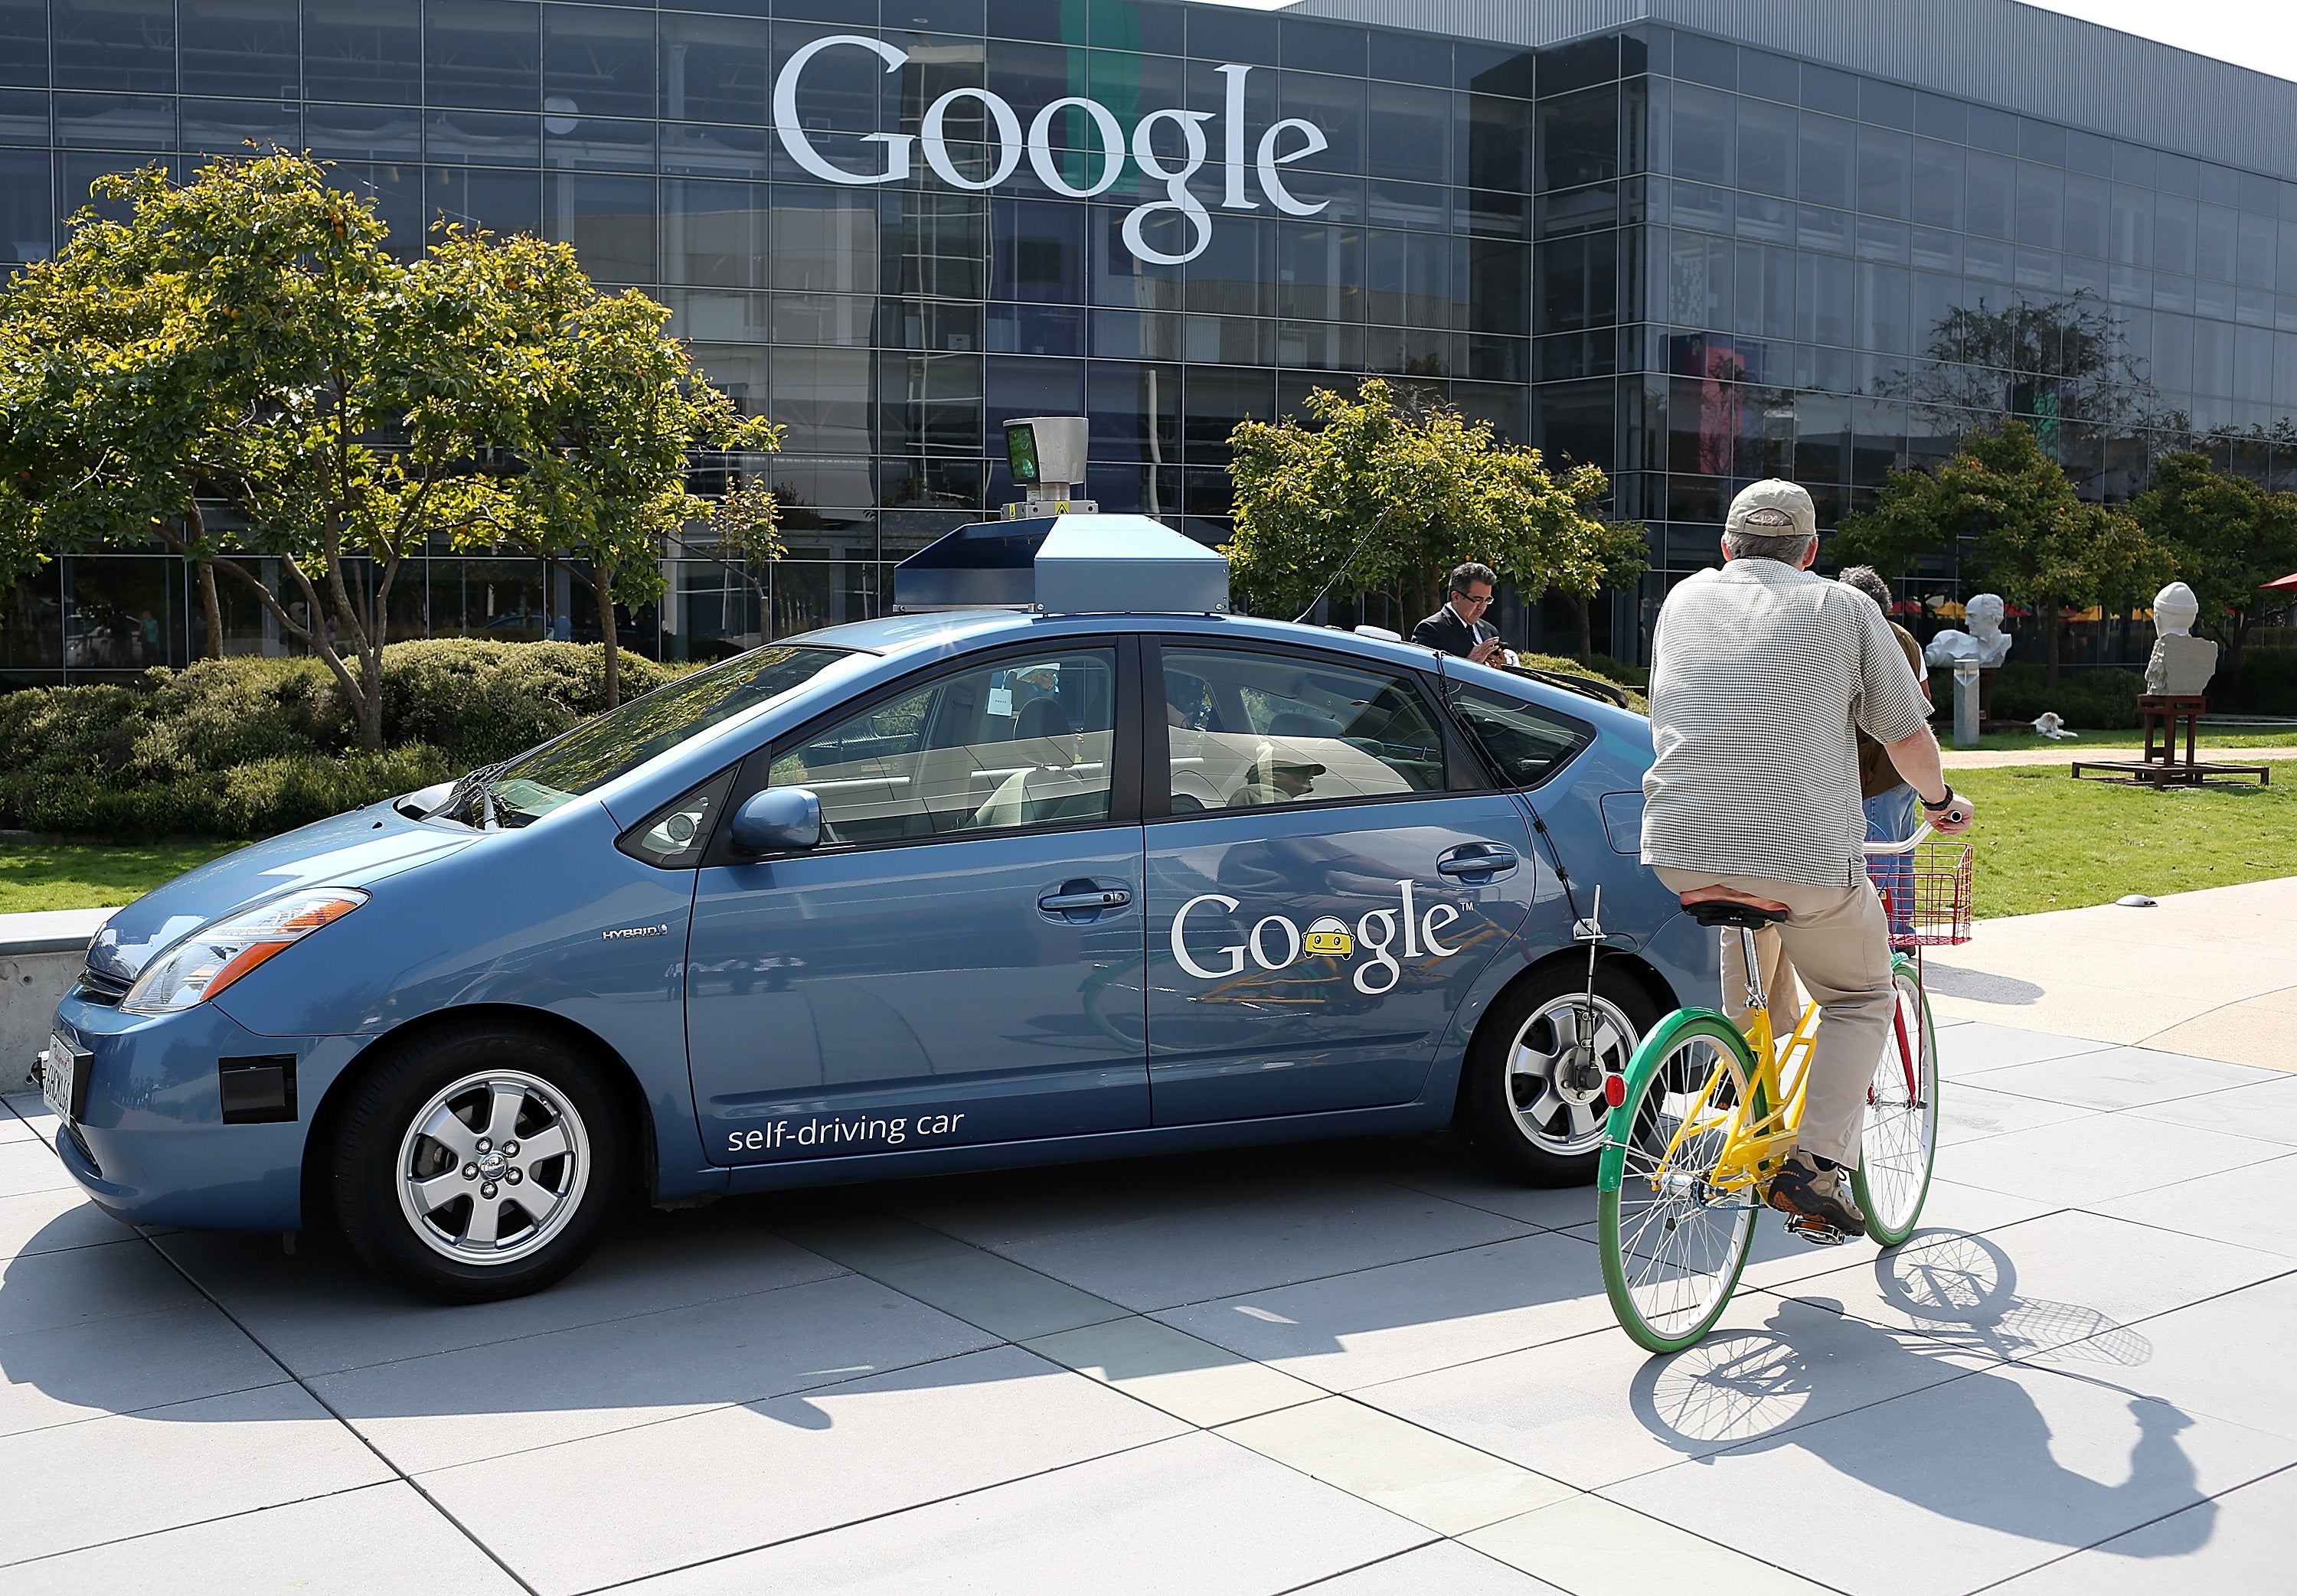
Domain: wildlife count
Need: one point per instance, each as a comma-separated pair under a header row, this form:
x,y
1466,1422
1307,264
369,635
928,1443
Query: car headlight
x,y
221,951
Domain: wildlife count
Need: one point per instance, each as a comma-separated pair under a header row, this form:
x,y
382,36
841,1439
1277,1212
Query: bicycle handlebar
x,y
1923,834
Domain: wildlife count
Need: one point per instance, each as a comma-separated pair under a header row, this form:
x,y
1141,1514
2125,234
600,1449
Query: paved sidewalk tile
x,y
1401,1319
1193,1514
2237,1545
1460,1180
2096,1158
507,1396
2011,1293
54,1221
2247,1206
647,1501
1599,1410
2266,1111
125,1364
1963,1484
1161,1249
321,1312
31,1165
2225,1358
2122,1078
1428,1478
1977,1048
1447,1565
131,1475
1968,1111
15,1128
46,1291
1182,1375
996,1294
1591,1547
380,1538
1779,1257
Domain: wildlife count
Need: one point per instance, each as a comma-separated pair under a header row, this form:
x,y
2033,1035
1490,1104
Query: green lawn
x,y
82,876
2045,840
2072,747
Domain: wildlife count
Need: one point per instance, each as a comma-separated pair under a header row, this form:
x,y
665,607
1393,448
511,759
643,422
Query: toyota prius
x,y
951,890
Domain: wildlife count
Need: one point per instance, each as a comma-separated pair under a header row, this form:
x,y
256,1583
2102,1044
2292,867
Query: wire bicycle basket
x,y
1925,893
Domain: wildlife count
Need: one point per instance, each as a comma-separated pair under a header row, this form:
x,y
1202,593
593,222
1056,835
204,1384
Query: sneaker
x,y
1804,1190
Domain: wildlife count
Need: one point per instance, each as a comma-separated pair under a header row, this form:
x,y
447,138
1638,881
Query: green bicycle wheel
x,y
1900,1139
1672,1244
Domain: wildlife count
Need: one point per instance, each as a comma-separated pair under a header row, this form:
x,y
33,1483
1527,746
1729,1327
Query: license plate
x,y
60,1082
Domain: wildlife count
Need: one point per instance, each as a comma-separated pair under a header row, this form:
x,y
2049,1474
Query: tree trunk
x,y
211,608
2050,610
1580,615
602,582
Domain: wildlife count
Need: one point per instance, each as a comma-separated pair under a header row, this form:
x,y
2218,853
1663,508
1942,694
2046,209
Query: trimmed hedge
x,y
250,747
2090,700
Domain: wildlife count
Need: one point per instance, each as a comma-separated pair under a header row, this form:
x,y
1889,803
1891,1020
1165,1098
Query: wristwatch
x,y
1945,802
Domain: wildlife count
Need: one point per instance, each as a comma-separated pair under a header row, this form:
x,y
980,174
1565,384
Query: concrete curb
x,y
40,957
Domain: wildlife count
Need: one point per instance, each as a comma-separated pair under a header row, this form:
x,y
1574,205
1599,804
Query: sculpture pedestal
x,y
2165,713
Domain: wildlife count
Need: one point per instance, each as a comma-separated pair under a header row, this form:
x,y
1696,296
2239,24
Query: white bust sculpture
x,y
2182,663
1984,645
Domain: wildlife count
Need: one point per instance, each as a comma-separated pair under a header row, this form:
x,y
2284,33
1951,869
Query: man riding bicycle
x,y
1761,671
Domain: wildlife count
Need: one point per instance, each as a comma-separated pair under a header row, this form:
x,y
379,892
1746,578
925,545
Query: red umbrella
x,y
2287,582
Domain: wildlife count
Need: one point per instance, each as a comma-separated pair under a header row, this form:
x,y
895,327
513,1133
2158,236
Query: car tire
x,y
1528,1126
479,1162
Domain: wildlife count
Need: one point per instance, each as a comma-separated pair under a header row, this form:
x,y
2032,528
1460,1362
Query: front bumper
x,y
152,1146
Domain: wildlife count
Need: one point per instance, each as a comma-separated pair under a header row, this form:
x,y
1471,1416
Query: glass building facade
x,y
891,226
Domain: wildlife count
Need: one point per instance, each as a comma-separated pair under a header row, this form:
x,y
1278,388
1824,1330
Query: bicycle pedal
x,y
1816,1231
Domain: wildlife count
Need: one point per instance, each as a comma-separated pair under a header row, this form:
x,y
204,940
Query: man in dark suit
x,y
1459,627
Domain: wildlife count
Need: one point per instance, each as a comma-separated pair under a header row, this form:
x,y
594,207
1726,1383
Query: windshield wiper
x,y
479,783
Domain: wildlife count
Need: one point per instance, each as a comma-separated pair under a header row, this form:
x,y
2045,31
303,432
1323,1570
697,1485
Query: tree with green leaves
x,y
2006,511
2226,538
1385,494
239,370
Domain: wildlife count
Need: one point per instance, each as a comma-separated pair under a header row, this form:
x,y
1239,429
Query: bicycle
x,y
1708,1111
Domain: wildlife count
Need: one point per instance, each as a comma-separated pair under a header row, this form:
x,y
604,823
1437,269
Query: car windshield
x,y
524,789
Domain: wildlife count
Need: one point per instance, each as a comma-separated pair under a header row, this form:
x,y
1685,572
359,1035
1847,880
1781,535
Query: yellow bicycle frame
x,y
1759,1129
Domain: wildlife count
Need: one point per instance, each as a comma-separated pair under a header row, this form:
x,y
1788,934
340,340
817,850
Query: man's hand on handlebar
x,y
1956,816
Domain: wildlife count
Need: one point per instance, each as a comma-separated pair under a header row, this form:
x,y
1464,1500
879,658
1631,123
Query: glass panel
x,y
1937,183
2041,204
1828,150
1245,730
1039,252
28,215
24,42
1702,134
485,52
2088,210
116,615
1579,139
715,68
367,50
126,46
716,233
826,239
2214,232
1411,133
1766,147
1023,743
501,201
1883,165
243,48
599,60
1990,186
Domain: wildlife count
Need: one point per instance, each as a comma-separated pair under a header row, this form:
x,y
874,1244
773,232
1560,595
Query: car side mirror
x,y
778,820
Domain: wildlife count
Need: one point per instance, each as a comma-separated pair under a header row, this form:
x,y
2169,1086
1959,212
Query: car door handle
x,y
1068,902
1478,860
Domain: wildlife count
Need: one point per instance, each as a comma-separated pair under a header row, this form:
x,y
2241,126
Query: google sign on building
x,y
1154,152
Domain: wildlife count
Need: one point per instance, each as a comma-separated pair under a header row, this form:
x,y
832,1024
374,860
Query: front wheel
x,y
1673,1245
1901,1139
482,1163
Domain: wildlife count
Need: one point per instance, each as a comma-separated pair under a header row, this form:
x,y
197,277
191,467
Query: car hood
x,y
348,849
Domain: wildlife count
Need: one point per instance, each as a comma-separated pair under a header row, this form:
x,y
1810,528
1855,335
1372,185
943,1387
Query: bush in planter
x,y
247,747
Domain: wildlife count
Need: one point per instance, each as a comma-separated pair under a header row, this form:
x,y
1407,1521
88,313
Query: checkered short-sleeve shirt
x,y
1759,673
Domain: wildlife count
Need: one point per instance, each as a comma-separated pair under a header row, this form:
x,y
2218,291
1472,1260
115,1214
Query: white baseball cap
x,y
1772,508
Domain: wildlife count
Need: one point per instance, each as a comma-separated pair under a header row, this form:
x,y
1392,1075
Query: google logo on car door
x,y
1275,942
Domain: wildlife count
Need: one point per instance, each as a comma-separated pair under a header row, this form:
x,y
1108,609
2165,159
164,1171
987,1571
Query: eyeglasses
x,y
1472,598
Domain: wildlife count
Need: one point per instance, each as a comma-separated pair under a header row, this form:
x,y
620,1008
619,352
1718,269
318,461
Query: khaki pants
x,y
1840,945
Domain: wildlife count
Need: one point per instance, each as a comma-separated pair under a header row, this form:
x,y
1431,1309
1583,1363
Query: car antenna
x,y
1378,521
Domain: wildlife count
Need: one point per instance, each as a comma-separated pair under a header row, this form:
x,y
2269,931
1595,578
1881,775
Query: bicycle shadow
x,y
1977,1446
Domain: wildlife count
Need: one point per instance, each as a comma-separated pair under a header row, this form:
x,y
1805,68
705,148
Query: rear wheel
x,y
480,1163
1672,1244
1901,1139
1532,1099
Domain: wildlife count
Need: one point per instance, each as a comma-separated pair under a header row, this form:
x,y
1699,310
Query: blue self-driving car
x,y
1106,871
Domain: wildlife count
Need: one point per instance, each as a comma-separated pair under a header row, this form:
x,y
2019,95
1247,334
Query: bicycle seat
x,y
1711,912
